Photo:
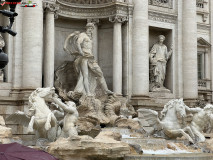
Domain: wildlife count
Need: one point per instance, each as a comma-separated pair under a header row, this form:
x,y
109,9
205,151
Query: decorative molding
x,y
162,3
94,21
51,7
94,11
162,17
118,19
203,26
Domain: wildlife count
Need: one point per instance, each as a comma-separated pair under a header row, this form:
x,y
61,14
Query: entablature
x,y
94,8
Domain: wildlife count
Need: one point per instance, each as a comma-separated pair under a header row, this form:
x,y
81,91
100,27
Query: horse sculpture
x,y
172,123
201,121
39,116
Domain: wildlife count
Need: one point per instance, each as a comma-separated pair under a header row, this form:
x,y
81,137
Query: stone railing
x,y
91,2
162,3
204,84
200,3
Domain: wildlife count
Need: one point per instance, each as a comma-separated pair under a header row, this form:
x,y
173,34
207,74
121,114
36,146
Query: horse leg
x,y
201,138
47,124
30,126
181,131
188,129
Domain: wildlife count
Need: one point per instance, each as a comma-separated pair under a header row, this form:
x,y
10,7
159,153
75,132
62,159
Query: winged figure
x,y
39,117
172,123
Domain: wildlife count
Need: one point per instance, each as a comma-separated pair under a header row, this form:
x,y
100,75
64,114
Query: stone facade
x,y
125,31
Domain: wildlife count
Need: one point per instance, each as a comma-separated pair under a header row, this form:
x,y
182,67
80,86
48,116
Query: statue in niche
x,y
158,57
80,46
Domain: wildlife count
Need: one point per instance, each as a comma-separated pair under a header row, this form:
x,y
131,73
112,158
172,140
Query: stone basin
x,y
189,156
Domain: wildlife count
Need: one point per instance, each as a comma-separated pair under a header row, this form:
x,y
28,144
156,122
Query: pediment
x,y
203,43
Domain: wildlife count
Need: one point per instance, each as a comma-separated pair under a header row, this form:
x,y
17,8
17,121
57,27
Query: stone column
x,y
32,46
207,64
127,55
140,58
190,78
17,57
95,37
117,53
49,47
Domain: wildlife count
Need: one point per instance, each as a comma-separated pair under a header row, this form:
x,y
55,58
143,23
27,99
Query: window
x,y
200,65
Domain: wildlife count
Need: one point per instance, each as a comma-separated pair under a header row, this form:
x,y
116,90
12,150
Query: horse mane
x,y
170,104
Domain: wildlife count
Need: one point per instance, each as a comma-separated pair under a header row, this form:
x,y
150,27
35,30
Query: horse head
x,y
176,105
180,108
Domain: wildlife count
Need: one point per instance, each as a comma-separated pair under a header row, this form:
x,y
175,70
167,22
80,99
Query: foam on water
x,y
165,151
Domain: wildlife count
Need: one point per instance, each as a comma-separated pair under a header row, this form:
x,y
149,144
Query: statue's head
x,y
2,44
89,28
161,38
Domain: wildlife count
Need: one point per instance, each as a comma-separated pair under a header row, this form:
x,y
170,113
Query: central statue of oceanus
x,y
79,45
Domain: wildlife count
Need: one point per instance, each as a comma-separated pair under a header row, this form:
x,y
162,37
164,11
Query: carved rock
x,y
88,126
103,147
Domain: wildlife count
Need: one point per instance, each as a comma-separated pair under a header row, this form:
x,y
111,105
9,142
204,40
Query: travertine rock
x,y
88,126
5,132
102,147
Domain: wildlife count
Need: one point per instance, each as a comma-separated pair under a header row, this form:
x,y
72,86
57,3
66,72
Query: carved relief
x,y
162,17
118,19
68,9
162,3
51,7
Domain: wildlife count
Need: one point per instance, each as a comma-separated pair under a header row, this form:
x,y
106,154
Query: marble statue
x,y
201,121
39,117
70,118
158,57
80,46
172,123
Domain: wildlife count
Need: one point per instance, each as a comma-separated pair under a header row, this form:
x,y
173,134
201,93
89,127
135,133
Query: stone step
x,y
190,156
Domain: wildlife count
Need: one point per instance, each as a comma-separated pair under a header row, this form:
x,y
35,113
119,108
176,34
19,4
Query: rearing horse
x,y
172,123
39,116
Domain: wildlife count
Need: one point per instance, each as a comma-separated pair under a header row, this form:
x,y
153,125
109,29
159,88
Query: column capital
x,y
93,20
51,8
118,19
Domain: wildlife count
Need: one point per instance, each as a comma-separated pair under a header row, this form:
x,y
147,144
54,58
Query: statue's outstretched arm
x,y
65,107
193,110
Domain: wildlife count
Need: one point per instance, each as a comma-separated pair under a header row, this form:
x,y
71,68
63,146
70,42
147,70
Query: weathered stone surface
x,y
127,123
104,146
88,126
5,132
